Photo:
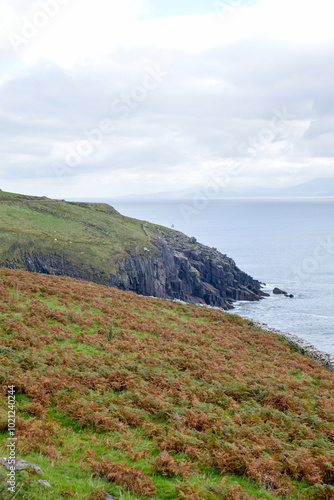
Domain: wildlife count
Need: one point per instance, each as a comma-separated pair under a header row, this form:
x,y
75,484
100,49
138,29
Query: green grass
x,y
75,232
16,195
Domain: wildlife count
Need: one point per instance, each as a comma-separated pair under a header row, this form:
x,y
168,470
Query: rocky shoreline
x,y
323,358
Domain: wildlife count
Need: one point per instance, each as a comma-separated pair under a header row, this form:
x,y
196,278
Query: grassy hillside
x,y
87,234
146,398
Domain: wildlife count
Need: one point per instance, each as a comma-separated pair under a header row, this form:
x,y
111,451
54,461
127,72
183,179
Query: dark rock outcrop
x,y
278,291
189,271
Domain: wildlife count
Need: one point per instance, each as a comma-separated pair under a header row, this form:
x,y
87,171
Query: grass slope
x,y
146,398
90,235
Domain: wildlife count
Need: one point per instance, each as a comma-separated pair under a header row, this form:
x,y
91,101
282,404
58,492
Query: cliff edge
x,y
93,242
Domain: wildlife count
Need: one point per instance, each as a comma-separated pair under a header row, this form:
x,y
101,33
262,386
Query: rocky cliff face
x,y
186,270
178,267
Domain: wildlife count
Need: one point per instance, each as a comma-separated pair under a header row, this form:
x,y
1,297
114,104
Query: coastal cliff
x,y
93,242
181,268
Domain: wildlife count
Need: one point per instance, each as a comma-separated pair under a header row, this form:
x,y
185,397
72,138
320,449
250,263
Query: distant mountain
x,y
315,188
323,187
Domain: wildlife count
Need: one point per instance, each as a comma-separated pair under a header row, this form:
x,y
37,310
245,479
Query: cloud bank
x,y
105,98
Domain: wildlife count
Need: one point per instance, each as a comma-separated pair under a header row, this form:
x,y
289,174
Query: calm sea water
x,y
288,244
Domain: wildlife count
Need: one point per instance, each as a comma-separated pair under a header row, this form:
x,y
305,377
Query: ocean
x,y
287,244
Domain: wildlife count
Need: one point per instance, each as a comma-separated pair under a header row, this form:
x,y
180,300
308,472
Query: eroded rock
x,y
278,291
44,483
20,465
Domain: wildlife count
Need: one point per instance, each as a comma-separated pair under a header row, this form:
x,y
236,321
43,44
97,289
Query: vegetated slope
x,y
147,398
93,242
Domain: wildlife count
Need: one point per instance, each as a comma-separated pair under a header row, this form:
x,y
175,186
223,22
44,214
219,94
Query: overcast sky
x,y
106,98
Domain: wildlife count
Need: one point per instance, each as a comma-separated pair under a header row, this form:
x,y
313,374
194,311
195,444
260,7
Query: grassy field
x,y
91,236
146,398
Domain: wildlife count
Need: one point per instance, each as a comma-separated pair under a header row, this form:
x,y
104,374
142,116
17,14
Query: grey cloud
x,y
211,103
319,137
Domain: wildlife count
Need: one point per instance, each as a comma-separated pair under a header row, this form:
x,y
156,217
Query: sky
x,y
107,98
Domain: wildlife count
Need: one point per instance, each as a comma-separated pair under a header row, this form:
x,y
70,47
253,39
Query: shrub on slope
x,y
146,398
